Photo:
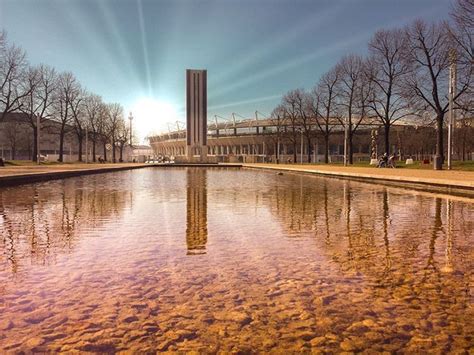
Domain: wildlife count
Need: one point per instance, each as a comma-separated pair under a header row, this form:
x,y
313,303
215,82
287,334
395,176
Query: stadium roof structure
x,y
222,126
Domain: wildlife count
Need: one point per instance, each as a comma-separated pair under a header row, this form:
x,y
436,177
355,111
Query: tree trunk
x,y
93,151
79,141
294,153
350,148
387,138
61,145
277,156
113,151
35,144
439,136
105,151
121,153
326,149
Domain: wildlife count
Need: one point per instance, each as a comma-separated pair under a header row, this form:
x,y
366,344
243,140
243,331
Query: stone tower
x,y
196,114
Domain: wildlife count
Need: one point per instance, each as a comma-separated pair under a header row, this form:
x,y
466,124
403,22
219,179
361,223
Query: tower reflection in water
x,y
196,210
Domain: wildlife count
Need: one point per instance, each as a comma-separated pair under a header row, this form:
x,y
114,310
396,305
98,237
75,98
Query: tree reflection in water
x,y
296,262
385,221
369,229
39,221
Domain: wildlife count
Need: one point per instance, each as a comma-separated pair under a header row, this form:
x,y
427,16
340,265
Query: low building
x,y
17,141
139,153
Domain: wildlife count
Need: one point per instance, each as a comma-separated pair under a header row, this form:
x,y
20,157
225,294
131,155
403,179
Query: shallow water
x,y
228,260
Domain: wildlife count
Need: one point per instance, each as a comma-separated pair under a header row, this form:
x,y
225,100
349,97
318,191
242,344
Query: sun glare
x,y
151,116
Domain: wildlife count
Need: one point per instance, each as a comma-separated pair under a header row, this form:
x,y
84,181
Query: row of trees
x,y
58,98
406,73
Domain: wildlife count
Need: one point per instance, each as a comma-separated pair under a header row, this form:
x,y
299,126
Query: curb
x,y
11,180
420,183
28,178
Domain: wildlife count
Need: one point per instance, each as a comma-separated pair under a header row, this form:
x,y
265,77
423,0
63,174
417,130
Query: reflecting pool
x,y
233,260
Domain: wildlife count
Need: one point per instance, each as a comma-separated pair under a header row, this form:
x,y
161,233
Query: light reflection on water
x,y
222,260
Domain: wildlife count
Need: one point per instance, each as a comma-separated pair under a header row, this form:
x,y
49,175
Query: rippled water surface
x,y
228,260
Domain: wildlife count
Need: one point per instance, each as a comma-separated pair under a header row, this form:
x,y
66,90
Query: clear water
x,y
233,260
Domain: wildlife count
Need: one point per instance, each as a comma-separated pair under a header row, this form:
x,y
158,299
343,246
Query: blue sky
x,y
135,51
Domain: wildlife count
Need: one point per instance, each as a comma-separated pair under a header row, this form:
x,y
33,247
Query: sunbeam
x,y
266,50
242,102
124,52
141,20
295,62
127,50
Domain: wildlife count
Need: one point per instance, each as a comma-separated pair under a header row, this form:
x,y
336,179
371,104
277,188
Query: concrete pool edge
x,y
71,171
445,185
427,184
28,178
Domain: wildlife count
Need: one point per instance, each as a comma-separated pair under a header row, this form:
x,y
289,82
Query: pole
x,y
452,89
38,153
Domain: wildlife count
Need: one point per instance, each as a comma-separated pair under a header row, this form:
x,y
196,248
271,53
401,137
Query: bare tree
x,y
292,104
350,87
115,115
13,69
387,70
426,85
3,40
28,104
461,32
307,122
76,102
463,13
465,136
103,128
42,81
13,133
278,119
461,37
123,136
324,107
301,119
67,85
93,106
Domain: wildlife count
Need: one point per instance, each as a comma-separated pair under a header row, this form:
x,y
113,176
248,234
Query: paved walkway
x,y
14,175
443,178
9,170
30,173
446,178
